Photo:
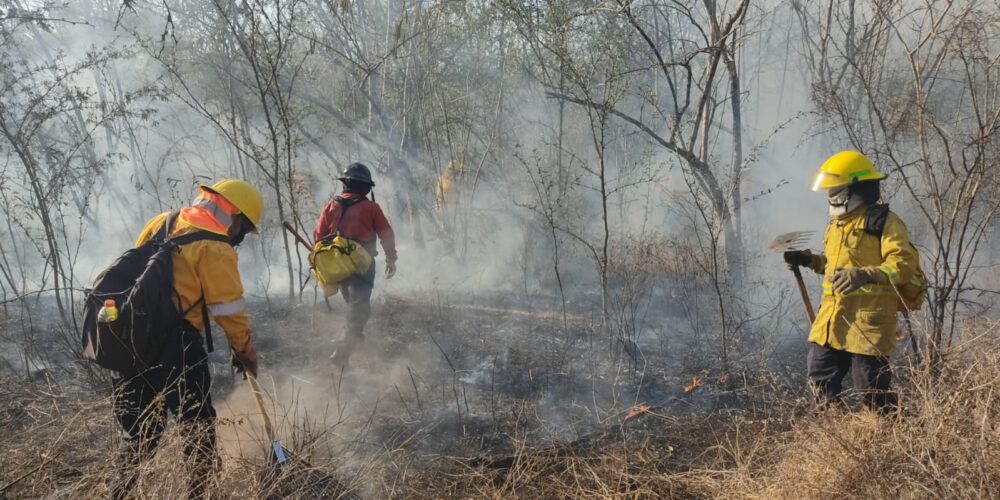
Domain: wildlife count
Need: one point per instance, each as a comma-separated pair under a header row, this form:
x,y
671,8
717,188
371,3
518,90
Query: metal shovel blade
x,y
795,240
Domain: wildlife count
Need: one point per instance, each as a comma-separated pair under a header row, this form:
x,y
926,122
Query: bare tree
x,y
917,87
48,117
256,63
676,65
681,58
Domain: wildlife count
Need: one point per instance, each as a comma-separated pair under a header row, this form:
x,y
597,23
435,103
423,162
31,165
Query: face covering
x,y
236,239
238,230
842,202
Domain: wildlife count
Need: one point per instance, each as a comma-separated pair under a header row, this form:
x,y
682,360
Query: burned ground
x,y
455,399
439,386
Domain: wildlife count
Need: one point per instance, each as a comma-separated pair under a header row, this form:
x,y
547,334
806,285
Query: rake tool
x,y
278,454
796,241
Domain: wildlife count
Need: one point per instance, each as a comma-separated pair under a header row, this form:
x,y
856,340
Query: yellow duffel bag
x,y
336,258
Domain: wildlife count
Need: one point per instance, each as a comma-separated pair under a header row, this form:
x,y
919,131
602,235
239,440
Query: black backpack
x,y
141,282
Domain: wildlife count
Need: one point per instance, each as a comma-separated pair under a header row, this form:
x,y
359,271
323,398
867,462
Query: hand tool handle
x,y
805,295
913,340
258,399
297,235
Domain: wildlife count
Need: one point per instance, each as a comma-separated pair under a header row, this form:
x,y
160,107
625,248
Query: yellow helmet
x,y
843,169
455,165
242,195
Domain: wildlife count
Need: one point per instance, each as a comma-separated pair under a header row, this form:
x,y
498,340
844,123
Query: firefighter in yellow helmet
x,y
866,256
207,285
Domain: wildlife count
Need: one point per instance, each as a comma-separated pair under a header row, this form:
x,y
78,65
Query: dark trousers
x,y
871,376
180,386
357,293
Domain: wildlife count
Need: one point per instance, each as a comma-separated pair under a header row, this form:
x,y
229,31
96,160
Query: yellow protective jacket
x,y
206,268
862,321
449,187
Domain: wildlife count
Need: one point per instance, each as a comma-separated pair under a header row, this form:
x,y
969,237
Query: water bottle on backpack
x,y
108,313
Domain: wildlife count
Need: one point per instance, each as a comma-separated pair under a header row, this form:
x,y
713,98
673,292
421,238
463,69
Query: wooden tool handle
x,y
805,295
258,398
913,339
297,235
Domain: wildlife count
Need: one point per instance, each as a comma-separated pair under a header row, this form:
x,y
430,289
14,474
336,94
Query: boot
x,y
341,354
344,348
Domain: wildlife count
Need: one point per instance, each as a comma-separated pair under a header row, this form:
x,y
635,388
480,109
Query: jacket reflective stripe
x,y
869,290
228,308
891,271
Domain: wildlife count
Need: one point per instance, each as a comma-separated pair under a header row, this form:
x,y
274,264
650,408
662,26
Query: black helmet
x,y
357,172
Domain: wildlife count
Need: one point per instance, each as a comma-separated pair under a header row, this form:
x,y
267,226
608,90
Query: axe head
x,y
796,240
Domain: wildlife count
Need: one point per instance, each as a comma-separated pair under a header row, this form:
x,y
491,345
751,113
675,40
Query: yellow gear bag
x,y
336,258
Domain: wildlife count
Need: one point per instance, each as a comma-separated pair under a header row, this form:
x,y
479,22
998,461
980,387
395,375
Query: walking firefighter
x,y
351,219
144,318
870,271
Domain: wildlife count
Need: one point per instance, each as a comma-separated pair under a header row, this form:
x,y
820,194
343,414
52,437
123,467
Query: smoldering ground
x,y
435,380
438,379
576,325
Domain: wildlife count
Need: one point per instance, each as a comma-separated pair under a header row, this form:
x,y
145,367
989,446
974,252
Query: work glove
x,y
849,280
245,361
798,258
390,269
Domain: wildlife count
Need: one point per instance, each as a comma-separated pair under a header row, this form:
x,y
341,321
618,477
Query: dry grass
x,y
61,447
944,443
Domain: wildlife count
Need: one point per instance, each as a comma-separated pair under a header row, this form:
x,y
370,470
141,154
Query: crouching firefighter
x,y
352,215
869,267
181,274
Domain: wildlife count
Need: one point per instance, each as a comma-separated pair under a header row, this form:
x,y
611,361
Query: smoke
x,y
568,258
159,162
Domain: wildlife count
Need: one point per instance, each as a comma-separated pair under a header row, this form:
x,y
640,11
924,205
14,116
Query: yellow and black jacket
x,y
206,268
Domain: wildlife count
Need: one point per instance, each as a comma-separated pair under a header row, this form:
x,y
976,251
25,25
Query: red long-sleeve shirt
x,y
362,222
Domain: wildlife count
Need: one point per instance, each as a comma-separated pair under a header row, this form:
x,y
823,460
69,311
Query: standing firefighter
x,y
205,283
352,215
450,186
867,258
451,199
